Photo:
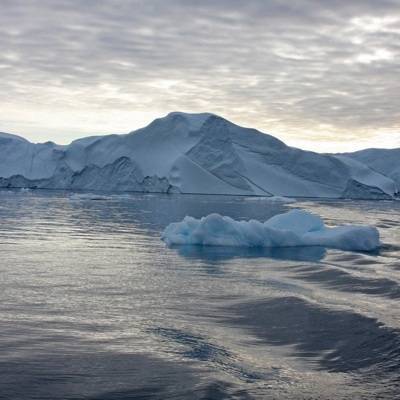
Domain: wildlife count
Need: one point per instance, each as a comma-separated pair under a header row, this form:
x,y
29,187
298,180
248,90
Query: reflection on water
x,y
219,253
93,305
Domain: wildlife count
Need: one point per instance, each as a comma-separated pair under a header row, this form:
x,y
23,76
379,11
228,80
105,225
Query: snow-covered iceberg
x,y
291,229
384,161
189,153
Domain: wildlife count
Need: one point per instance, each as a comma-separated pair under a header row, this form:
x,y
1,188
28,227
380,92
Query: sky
x,y
322,75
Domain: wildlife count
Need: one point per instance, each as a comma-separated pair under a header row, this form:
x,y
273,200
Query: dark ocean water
x,y
93,305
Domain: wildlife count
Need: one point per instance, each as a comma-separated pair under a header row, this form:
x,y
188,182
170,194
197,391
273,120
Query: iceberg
x,y
383,161
197,154
292,229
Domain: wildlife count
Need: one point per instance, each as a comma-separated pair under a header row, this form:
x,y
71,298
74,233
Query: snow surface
x,y
191,153
292,229
367,176
383,161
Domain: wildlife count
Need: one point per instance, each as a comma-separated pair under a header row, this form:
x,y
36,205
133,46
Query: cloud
x,y
308,71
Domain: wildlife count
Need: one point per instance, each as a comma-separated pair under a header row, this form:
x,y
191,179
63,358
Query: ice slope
x,y
383,161
20,157
364,176
188,153
294,228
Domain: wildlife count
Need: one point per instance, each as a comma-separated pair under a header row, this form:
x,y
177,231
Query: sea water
x,y
93,305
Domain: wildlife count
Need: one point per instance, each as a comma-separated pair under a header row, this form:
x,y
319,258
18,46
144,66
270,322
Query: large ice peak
x,y
9,136
177,120
192,153
194,120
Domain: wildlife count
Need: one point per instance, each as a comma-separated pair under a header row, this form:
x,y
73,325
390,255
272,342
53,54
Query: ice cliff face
x,y
384,161
190,153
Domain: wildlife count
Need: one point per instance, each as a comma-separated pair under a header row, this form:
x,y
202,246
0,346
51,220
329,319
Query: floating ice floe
x,y
88,196
282,199
94,196
274,199
294,228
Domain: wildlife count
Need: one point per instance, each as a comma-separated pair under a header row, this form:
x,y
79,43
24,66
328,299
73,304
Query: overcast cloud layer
x,y
323,75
